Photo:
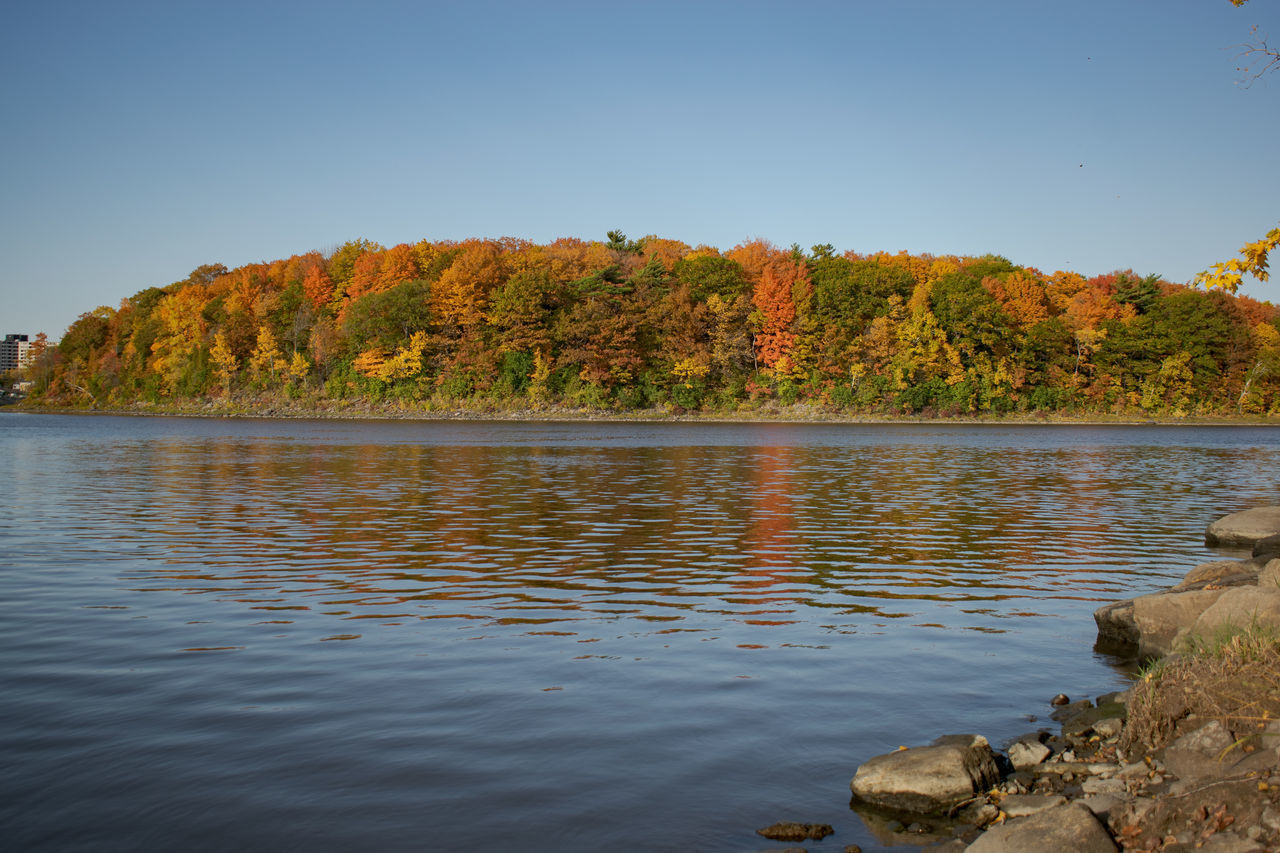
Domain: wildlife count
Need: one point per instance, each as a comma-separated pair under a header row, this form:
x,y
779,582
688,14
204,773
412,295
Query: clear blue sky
x,y
142,139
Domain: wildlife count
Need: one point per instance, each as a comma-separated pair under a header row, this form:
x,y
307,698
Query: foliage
x,y
1228,275
645,323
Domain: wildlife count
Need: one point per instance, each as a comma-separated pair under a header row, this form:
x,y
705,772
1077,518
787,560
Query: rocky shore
x,y
308,407
1187,759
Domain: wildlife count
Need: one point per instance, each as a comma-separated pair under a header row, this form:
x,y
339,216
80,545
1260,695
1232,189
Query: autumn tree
x,y
342,260
460,296
520,313
1022,296
376,271
224,362
780,282
176,352
267,361
388,318
318,287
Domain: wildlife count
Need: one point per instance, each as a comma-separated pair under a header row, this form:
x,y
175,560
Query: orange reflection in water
x,y
566,535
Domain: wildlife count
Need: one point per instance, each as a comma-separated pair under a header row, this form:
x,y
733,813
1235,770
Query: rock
x,y
1066,712
1024,754
1021,805
788,831
1197,755
1136,770
1060,699
928,778
1269,576
1230,842
1115,624
1162,618
1104,805
1094,785
1108,727
1083,722
1120,697
1237,608
980,814
1244,529
1067,827
1267,548
1219,573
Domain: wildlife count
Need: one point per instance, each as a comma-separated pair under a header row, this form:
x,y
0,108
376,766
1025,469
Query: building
x,y
15,352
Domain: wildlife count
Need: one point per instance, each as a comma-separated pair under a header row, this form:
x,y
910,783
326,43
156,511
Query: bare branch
x,y
1262,58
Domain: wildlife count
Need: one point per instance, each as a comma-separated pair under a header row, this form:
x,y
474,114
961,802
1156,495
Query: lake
x,y
392,635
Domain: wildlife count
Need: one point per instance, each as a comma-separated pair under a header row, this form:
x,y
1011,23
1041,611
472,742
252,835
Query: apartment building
x,y
15,352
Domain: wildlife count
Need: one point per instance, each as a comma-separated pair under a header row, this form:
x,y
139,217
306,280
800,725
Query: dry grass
x,y
1235,679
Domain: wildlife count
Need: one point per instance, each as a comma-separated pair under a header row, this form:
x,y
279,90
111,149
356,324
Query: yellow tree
x,y
224,362
267,360
181,334
299,367
405,362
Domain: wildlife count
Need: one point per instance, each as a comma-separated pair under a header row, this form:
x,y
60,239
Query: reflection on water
x,y
579,636
559,537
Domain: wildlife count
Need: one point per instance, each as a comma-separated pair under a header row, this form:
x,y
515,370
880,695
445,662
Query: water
x,y
276,635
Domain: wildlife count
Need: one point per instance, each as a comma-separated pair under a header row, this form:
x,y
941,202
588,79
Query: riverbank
x,y
762,412
1187,759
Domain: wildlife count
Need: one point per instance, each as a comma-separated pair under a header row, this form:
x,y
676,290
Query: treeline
x,y
634,324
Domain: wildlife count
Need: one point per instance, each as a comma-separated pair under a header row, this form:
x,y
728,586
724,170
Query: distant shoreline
x,y
796,414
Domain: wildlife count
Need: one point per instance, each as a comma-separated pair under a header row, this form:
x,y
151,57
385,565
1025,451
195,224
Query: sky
x,y
144,139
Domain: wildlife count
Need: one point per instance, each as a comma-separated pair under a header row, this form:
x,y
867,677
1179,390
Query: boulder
x,y
1237,608
1162,618
928,779
1219,573
1269,577
1267,548
1115,624
1067,827
1244,529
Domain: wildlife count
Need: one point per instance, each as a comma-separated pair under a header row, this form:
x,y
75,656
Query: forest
x,y
654,324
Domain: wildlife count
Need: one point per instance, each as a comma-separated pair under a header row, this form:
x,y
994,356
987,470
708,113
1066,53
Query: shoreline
x,y
1184,759
800,414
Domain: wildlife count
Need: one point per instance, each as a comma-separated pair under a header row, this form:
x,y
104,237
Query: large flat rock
x,y
928,779
1244,529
